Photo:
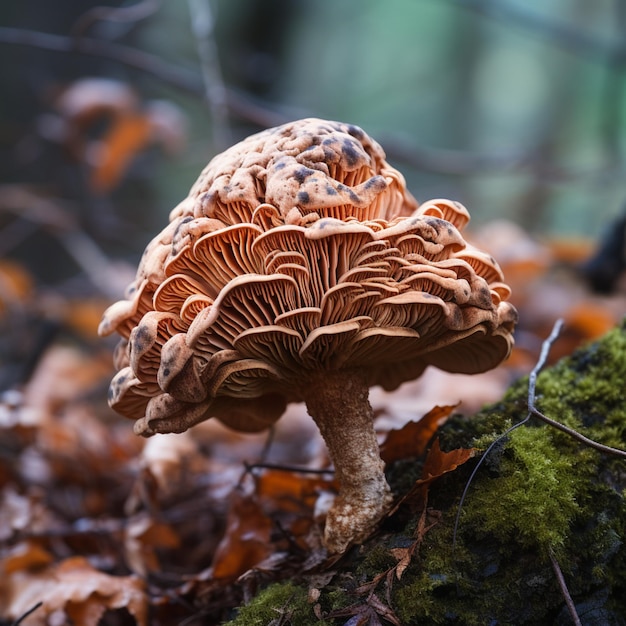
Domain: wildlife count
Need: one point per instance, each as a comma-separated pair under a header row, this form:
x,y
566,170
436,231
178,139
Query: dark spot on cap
x,y
302,174
180,225
140,338
303,197
350,153
376,181
355,131
330,190
166,372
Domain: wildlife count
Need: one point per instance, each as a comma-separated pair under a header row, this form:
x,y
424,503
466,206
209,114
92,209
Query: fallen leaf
x,y
75,588
142,537
290,491
246,541
24,556
437,464
412,439
129,133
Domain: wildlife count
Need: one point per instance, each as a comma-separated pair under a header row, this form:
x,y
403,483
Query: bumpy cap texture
x,y
299,251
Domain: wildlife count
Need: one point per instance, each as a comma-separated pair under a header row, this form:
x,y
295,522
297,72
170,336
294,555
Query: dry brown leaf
x,y
439,463
411,440
246,541
142,537
75,588
290,491
436,465
25,555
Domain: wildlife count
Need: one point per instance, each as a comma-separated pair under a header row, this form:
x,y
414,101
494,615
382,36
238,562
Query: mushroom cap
x,y
299,250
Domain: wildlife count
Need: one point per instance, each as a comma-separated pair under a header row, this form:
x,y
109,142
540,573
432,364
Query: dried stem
x,y
532,384
564,590
338,402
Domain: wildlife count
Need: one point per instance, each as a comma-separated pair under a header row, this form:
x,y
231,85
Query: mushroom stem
x,y
338,402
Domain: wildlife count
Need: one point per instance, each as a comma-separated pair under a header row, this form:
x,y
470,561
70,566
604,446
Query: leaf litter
x,y
100,526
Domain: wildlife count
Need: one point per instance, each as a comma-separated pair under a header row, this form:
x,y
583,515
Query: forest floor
x,y
98,526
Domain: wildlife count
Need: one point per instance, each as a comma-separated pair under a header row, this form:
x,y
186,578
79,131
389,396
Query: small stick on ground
x,y
564,590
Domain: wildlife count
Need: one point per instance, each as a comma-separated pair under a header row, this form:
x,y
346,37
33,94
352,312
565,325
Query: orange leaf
x,y
436,465
27,555
290,491
439,463
15,284
411,440
246,541
128,135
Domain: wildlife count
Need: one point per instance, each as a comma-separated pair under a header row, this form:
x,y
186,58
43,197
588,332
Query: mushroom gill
x,y
299,268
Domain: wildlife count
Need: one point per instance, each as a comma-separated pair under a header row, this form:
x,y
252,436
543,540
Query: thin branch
x,y
543,356
288,468
565,591
571,39
122,15
600,447
173,75
532,383
30,611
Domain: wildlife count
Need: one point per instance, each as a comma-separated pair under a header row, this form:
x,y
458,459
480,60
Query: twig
x,y
123,15
288,468
543,356
573,40
532,383
564,590
580,437
30,611
173,75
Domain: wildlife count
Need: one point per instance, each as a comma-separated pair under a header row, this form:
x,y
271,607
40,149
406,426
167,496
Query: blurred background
x,y
109,112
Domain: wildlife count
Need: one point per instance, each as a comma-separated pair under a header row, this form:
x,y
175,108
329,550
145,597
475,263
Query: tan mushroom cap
x,y
299,250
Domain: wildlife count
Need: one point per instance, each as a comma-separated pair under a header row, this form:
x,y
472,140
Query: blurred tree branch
x,y
221,97
174,75
571,39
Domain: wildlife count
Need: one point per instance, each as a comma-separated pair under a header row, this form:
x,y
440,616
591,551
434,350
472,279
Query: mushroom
x,y
299,268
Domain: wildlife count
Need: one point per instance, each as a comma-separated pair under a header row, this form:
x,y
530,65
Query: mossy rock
x,y
539,498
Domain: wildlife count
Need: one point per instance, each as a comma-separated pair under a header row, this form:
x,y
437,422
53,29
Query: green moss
x,y
281,603
536,495
539,492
